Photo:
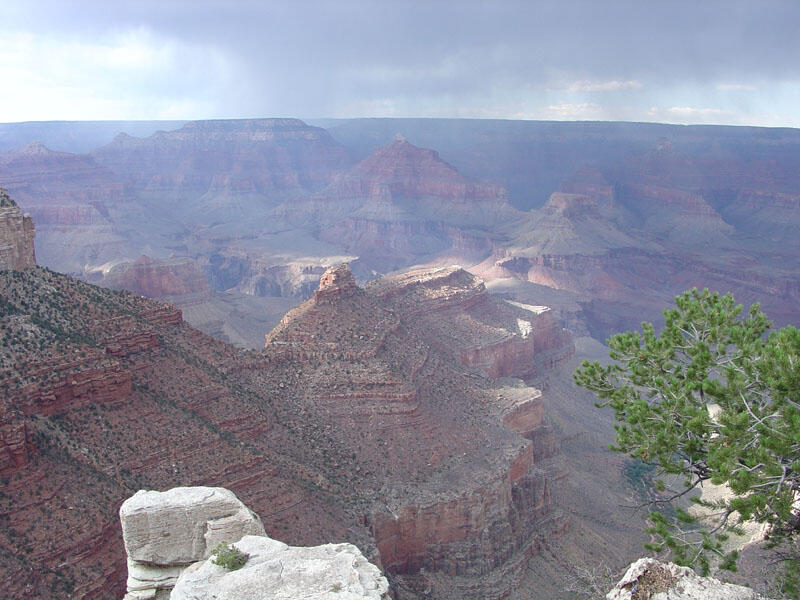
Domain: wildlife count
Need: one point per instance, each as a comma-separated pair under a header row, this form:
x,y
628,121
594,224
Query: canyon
x,y
424,297
611,219
358,420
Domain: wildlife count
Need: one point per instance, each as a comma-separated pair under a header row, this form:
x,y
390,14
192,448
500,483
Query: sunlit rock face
x,y
16,235
179,280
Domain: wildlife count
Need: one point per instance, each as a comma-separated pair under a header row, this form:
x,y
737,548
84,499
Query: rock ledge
x,y
170,537
650,579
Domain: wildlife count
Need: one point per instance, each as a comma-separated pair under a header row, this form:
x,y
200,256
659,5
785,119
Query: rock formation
x,y
654,580
164,532
16,235
500,338
359,421
74,203
172,538
382,366
214,169
178,280
403,204
275,571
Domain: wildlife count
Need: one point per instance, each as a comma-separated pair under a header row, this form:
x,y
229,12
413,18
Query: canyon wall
x,y
16,236
357,421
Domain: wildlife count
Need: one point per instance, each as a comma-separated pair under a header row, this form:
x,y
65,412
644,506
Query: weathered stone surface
x,y
184,524
16,235
165,531
654,580
276,571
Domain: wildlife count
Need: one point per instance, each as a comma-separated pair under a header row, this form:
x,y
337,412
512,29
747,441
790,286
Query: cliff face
x,y
178,280
222,160
466,491
358,421
16,236
498,337
102,392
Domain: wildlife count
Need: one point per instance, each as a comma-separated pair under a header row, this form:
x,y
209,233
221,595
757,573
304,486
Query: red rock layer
x,y
354,414
380,373
167,278
15,442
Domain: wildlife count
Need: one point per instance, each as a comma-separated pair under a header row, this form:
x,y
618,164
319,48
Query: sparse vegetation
x,y
229,557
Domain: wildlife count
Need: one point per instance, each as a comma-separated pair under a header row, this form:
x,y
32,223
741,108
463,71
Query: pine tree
x,y
713,398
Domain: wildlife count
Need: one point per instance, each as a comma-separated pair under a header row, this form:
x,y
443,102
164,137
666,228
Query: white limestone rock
x,y
652,579
164,532
276,571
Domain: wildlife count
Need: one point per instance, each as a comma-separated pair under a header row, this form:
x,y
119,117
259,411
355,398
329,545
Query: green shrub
x,y
229,557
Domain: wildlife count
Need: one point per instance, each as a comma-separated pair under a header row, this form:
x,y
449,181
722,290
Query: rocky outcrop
x,y
171,537
498,337
15,441
275,571
164,532
16,235
654,580
336,282
380,364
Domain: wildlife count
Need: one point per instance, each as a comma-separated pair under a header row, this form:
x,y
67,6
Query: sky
x,y
731,62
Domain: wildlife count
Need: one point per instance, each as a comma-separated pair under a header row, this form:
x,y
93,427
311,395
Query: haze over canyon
x,y
365,328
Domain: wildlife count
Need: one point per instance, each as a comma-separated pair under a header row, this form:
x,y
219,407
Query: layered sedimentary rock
x,y
15,441
179,280
74,203
264,206
226,165
382,371
499,337
404,203
624,251
355,422
16,235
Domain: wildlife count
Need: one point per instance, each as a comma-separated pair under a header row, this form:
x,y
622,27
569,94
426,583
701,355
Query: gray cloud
x,y
435,57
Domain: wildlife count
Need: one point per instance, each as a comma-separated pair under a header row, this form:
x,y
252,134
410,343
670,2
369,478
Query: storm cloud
x,y
676,61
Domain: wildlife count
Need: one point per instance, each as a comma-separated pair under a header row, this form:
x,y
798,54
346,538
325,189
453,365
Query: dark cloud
x,y
303,57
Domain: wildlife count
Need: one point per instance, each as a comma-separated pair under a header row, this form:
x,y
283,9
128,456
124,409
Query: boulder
x,y
650,579
164,532
276,571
